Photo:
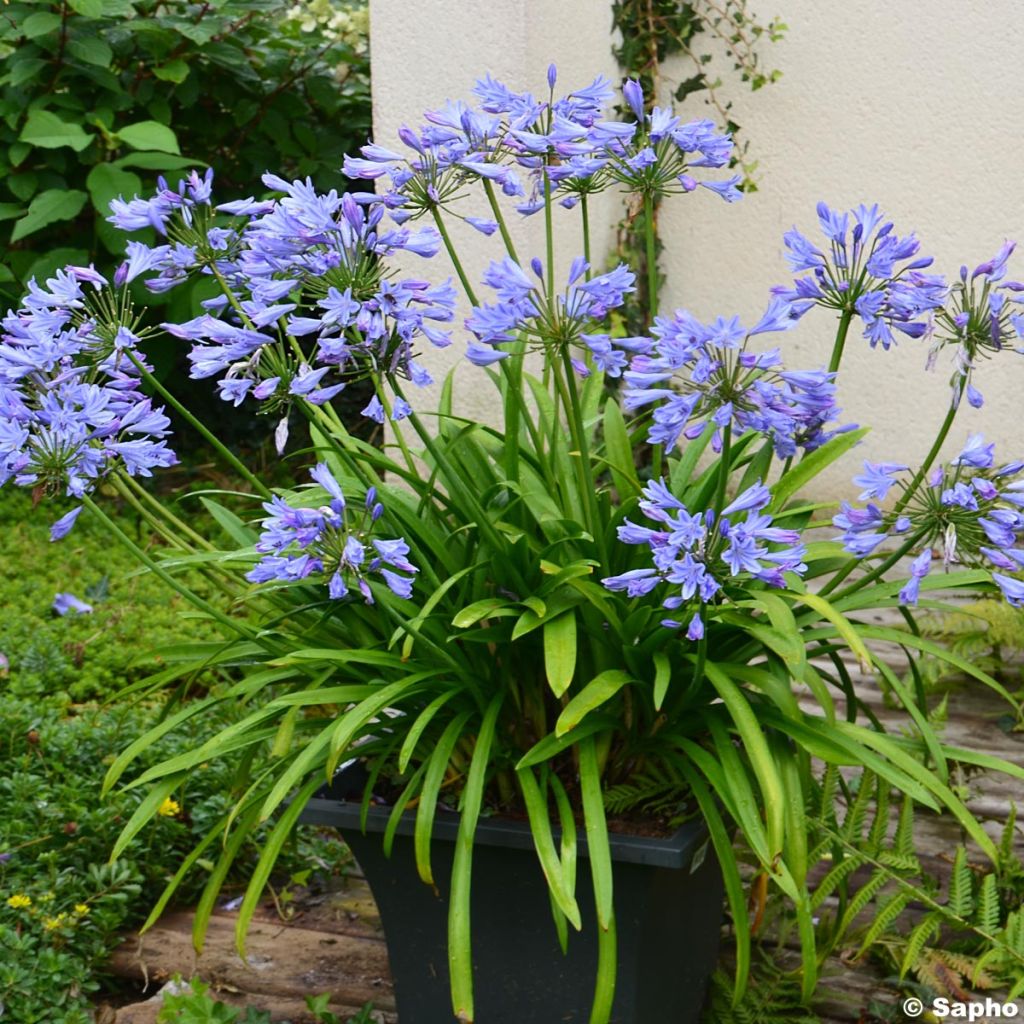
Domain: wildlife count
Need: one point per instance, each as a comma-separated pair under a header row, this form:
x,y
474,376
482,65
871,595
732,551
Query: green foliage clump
x,y
77,656
62,904
96,96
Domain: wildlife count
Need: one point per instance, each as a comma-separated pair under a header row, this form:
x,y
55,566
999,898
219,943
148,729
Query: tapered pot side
x,y
668,906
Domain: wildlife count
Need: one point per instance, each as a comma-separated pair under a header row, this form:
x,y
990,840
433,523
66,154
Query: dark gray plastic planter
x,y
668,906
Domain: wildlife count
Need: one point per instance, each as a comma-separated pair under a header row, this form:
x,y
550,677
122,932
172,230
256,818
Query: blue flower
x,y
64,603
878,479
523,310
299,541
868,271
689,550
701,376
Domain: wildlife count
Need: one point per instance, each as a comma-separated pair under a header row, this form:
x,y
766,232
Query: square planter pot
x,y
668,907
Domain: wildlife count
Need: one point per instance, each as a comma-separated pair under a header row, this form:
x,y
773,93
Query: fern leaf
x,y
889,911
838,874
920,937
986,914
903,841
961,898
880,822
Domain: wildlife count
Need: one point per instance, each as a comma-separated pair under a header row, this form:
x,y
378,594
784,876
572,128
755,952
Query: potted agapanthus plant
x,y
557,647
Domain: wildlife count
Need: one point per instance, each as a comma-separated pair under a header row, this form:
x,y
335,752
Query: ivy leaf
x,y
8,211
52,205
149,135
17,152
23,185
47,131
39,24
105,181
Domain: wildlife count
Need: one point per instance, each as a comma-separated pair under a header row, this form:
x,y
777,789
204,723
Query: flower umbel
x,y
332,544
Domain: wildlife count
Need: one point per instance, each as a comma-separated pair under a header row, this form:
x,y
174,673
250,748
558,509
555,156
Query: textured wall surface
x,y
916,107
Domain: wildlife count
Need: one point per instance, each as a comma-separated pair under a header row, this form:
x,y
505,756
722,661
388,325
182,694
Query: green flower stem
x,y
459,490
154,523
723,470
160,509
840,342
176,585
453,256
652,258
549,239
585,214
585,468
492,198
880,570
230,295
226,454
386,404
513,375
321,419
929,459
208,572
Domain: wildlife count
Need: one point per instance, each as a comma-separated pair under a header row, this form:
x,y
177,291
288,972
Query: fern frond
x,y
889,911
961,890
920,937
986,913
903,841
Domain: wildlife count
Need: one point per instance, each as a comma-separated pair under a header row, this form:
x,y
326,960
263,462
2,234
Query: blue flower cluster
x,y
701,376
979,321
524,310
297,543
307,306
970,510
71,407
690,550
868,271
565,145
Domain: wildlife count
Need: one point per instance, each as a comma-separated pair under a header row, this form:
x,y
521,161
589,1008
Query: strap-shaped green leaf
x,y
662,677
560,652
544,844
437,765
460,962
752,737
600,689
812,464
598,848
279,835
619,452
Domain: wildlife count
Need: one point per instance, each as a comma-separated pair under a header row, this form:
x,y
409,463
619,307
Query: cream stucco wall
x,y
915,106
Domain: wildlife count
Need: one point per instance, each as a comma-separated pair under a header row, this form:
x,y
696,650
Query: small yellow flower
x,y
81,909
169,808
51,924
19,900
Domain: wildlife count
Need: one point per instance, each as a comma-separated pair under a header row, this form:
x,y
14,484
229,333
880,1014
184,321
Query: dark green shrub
x,y
97,96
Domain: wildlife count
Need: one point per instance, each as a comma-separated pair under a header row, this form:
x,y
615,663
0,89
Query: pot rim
x,y
329,806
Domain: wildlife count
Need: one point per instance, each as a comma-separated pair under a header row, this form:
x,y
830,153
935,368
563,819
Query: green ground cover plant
x,y
78,656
